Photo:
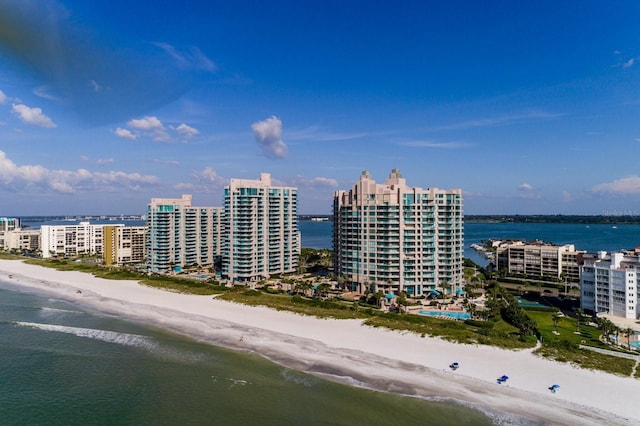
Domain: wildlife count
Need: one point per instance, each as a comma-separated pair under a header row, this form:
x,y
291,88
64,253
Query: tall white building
x,y
609,284
180,235
261,236
71,240
392,237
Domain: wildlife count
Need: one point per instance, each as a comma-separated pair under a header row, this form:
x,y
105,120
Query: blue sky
x,y
528,107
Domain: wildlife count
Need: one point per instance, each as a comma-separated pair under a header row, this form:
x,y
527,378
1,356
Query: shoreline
x,y
354,354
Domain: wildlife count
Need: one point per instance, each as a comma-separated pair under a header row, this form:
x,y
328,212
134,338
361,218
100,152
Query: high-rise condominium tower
x,y
180,235
392,237
261,236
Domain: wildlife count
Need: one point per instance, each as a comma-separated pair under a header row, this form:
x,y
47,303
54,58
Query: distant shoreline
x,y
565,219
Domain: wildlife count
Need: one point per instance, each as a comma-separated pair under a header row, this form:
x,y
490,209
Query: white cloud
x,y
40,179
125,134
146,123
268,134
186,131
525,187
3,97
33,116
153,126
629,63
84,158
209,176
103,161
623,186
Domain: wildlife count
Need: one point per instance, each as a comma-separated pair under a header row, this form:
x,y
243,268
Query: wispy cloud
x,y
629,63
103,161
17,178
433,144
33,116
629,185
172,163
3,97
192,58
498,121
268,134
303,182
316,133
206,180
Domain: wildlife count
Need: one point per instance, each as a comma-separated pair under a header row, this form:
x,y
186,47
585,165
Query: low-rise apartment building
x,y
540,260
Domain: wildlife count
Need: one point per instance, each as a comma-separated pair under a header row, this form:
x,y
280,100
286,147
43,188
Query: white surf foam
x,y
103,335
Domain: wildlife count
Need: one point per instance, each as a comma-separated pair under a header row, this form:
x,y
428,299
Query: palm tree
x,y
579,315
555,317
628,331
444,286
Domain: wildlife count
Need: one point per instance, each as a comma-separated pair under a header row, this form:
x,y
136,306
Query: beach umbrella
x,y
504,378
555,386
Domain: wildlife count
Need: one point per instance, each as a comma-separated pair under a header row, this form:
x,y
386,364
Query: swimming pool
x,y
635,345
528,303
450,314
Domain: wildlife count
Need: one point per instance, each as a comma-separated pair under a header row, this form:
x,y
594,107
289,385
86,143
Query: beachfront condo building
x,y
71,240
609,283
22,240
539,260
7,224
261,236
180,235
123,245
395,238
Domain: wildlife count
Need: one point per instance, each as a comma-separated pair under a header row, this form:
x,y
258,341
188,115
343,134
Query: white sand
x,y
346,350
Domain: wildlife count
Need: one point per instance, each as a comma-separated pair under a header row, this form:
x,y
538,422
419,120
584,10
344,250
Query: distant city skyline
x,y
528,107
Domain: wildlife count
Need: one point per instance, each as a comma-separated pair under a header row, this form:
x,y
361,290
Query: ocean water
x,y
62,365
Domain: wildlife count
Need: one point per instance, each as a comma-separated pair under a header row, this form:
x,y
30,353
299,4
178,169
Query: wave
x,y
91,333
46,312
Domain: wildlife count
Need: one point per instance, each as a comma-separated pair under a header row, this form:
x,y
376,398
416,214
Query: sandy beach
x,y
346,350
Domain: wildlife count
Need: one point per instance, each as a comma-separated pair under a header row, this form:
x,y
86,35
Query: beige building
x,y
391,237
22,240
540,260
123,245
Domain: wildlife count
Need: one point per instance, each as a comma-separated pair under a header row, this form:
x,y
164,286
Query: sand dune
x,y
348,351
